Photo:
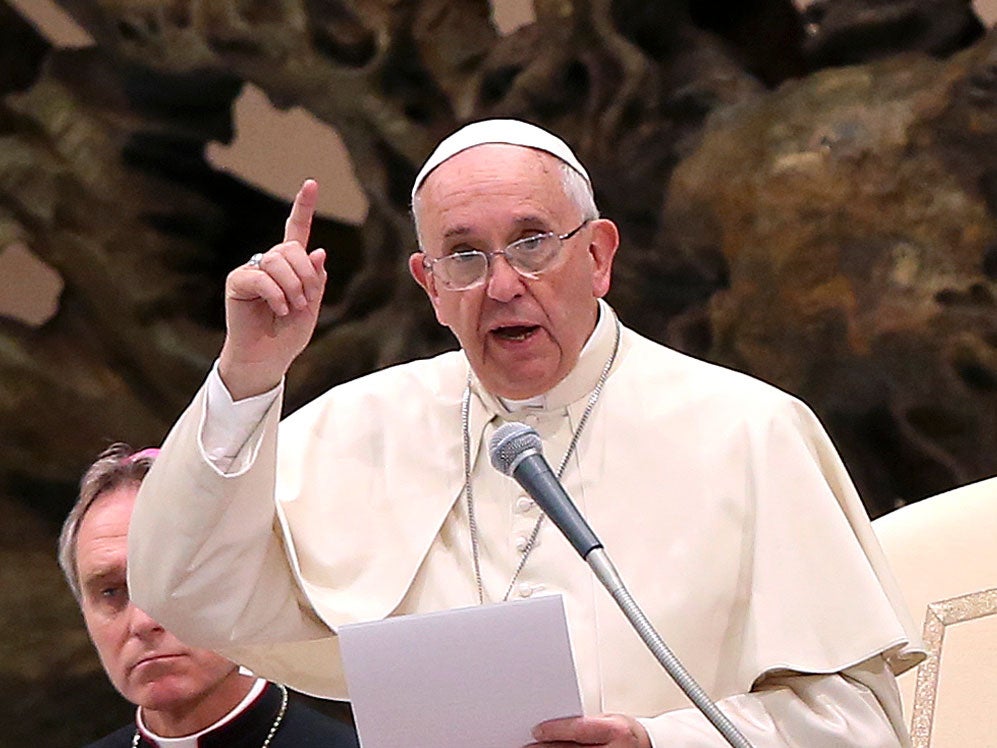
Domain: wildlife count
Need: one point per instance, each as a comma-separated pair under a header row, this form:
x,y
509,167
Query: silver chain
x,y
273,728
469,494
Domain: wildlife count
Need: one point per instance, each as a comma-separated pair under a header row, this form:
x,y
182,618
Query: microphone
x,y
516,450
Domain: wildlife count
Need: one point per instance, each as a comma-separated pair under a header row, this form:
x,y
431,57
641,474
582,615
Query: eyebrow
x,y
102,574
463,229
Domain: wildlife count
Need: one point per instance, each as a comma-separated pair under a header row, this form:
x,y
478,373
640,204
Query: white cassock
x,y
720,499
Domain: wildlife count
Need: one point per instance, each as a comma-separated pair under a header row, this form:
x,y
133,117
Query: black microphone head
x,y
510,442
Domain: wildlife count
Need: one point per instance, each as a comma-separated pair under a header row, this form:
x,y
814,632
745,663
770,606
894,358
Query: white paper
x,y
478,677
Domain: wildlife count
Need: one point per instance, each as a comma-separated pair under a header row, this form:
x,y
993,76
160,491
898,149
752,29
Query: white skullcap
x,y
511,131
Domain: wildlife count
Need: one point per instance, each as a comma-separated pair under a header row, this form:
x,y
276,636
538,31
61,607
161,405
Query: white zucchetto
x,y
510,131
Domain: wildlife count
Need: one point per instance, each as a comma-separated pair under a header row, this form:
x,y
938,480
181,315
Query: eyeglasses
x,y
529,257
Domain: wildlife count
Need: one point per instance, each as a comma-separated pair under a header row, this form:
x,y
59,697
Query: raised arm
x,y
204,556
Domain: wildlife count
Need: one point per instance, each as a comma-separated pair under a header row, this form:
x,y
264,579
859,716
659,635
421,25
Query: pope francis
x,y
721,499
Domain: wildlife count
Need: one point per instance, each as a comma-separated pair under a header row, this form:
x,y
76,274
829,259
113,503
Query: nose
x,y
141,624
503,283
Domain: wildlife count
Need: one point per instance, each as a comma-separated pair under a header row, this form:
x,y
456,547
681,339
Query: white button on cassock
x,y
525,589
524,504
521,541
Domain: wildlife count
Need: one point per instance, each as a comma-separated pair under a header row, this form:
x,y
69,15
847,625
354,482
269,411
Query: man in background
x,y
186,697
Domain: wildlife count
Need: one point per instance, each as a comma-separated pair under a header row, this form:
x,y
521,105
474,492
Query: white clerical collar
x,y
533,403
600,334
190,741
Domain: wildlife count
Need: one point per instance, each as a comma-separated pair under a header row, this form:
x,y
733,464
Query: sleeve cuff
x,y
228,425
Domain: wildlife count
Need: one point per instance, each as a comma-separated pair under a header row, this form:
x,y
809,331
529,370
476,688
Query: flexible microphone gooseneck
x,y
516,450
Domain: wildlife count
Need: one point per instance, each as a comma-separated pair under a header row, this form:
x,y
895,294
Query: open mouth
x,y
515,332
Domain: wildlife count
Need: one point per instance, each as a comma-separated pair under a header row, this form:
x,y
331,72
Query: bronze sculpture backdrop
x,y
810,197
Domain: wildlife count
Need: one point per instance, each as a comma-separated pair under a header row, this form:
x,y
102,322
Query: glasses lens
x,y
461,269
534,253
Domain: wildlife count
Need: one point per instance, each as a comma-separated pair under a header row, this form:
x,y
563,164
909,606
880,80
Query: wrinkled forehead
x,y
492,187
108,516
507,131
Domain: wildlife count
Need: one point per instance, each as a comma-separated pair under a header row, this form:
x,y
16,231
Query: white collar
x,y
190,741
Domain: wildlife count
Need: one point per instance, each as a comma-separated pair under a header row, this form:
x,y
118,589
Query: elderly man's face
x,y
521,335
148,665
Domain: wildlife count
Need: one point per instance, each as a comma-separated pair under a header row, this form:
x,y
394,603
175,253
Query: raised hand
x,y
608,730
272,304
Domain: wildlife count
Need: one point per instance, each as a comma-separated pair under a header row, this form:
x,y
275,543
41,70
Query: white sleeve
x,y
222,536
229,424
858,707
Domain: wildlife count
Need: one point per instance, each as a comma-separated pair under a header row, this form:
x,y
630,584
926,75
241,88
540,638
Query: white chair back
x,y
943,550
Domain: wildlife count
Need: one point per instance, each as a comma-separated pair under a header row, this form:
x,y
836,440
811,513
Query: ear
x,y
602,250
425,279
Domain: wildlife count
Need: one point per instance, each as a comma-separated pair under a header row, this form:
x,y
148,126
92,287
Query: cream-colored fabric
x,y
720,499
943,552
231,424
858,707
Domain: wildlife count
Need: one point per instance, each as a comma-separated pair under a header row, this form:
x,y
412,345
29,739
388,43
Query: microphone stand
x,y
602,567
516,451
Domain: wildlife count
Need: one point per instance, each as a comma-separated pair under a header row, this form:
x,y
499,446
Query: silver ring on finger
x,y
255,260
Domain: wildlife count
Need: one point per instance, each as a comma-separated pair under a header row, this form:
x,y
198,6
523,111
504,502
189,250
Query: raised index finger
x,y
299,223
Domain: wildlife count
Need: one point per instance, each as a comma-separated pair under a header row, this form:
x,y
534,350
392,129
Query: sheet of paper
x,y
479,677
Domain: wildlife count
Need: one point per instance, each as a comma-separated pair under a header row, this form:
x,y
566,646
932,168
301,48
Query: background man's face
x,y
148,665
522,336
